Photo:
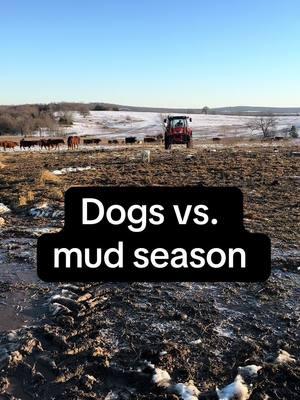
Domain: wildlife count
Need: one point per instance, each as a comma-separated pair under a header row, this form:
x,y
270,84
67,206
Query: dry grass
x,y
2,165
48,177
30,196
22,201
55,194
26,198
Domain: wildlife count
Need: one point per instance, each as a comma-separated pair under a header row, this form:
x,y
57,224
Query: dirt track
x,y
109,333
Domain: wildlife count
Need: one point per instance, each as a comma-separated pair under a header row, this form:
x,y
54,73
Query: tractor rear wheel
x,y
168,143
189,143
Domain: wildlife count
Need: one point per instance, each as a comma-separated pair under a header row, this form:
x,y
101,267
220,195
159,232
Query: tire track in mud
x,y
100,339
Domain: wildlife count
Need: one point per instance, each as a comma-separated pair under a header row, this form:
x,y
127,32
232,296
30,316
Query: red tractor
x,y
177,131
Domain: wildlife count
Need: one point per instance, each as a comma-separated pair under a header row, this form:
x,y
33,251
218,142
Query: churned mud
x,y
146,340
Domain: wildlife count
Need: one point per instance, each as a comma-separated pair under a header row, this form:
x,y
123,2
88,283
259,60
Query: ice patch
x,y
45,211
4,209
67,170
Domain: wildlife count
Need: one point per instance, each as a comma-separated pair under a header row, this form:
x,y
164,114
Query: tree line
x,y
28,118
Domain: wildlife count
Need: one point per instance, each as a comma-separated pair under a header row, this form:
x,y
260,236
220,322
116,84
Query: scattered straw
x,y
55,194
48,177
30,196
22,201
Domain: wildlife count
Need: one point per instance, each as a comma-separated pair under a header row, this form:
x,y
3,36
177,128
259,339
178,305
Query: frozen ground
x,y
126,123
96,345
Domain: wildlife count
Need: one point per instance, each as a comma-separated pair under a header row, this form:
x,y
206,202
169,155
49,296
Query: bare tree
x,y
266,125
66,118
44,122
25,119
83,109
205,110
293,132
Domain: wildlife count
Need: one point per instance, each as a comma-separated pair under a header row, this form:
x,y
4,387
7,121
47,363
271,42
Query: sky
x,y
151,53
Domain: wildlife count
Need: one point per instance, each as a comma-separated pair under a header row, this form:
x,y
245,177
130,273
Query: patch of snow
x,y
197,341
224,332
140,124
284,357
163,353
71,169
186,391
45,211
4,209
40,231
69,294
71,287
236,390
112,396
161,378
56,308
12,336
249,370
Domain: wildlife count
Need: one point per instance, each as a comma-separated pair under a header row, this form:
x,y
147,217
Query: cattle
x,y
44,144
8,144
73,142
28,143
55,143
130,140
150,139
91,141
51,143
216,139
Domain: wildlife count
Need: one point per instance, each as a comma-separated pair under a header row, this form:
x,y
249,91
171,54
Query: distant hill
x,y
252,109
99,106
236,110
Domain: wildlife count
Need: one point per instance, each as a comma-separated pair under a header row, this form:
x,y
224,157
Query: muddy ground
x,y
99,345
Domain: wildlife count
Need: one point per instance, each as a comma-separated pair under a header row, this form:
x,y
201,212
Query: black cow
x,y
130,140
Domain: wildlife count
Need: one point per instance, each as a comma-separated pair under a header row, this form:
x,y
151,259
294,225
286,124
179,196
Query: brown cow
x,y
7,144
73,142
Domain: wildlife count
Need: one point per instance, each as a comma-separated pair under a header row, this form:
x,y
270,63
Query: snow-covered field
x,y
127,123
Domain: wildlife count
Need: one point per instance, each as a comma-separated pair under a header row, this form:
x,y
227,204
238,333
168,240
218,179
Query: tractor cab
x,y
177,131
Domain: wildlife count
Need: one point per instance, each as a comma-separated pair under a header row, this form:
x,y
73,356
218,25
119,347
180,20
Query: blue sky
x,y
157,53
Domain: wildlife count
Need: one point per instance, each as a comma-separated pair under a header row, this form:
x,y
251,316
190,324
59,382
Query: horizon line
x,y
142,106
